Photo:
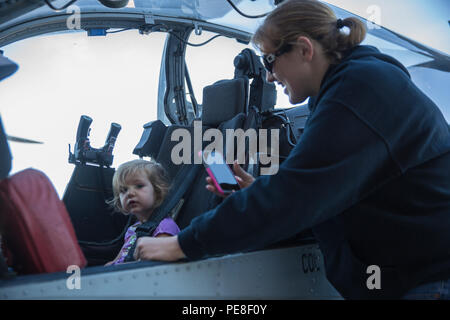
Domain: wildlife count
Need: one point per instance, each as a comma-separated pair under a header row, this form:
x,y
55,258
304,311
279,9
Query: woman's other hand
x,y
159,248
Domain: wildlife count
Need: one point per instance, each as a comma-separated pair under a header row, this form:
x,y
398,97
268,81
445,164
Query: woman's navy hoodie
x,y
370,175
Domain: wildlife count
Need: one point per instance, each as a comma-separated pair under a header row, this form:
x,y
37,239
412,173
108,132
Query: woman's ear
x,y
305,47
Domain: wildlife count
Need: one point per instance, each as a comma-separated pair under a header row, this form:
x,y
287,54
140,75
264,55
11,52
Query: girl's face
x,y
137,196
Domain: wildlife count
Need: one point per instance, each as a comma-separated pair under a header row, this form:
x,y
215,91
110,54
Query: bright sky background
x,y
115,79
425,21
110,79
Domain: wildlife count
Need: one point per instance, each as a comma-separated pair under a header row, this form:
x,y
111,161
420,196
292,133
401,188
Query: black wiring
x,y
288,127
194,44
145,30
63,7
172,33
246,15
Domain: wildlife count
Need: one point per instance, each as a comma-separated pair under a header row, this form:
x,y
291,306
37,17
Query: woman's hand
x,y
243,178
161,248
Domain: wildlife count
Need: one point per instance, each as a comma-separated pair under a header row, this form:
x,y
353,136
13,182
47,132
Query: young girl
x,y
139,187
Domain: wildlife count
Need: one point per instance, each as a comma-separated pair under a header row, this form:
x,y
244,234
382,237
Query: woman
x,y
370,174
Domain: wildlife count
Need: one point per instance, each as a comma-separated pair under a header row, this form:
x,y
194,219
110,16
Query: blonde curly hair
x,y
155,173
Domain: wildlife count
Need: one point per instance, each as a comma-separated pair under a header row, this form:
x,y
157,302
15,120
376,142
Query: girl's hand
x,y
243,178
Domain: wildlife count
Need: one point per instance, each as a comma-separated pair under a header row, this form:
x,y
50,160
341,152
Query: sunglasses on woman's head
x,y
269,59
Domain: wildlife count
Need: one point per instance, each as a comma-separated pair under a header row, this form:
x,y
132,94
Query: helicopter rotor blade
x,y
22,140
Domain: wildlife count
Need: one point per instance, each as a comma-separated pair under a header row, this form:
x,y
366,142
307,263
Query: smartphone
x,y
221,175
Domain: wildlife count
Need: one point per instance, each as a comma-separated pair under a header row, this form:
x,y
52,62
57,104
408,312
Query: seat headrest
x,y
151,139
223,100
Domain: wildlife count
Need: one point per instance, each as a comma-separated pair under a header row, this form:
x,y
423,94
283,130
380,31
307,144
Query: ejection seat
x,y
98,228
224,107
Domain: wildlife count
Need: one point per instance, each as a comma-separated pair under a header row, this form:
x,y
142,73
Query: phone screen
x,y
219,171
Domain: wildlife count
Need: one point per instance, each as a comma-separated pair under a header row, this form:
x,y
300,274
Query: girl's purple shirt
x,y
167,225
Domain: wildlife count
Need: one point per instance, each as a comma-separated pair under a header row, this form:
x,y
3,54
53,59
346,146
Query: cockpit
x,y
102,82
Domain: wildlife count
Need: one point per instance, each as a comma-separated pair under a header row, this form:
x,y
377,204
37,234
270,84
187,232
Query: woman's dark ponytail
x,y
311,18
356,34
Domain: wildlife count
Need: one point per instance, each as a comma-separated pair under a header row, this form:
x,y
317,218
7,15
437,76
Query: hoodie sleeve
x,y
338,161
